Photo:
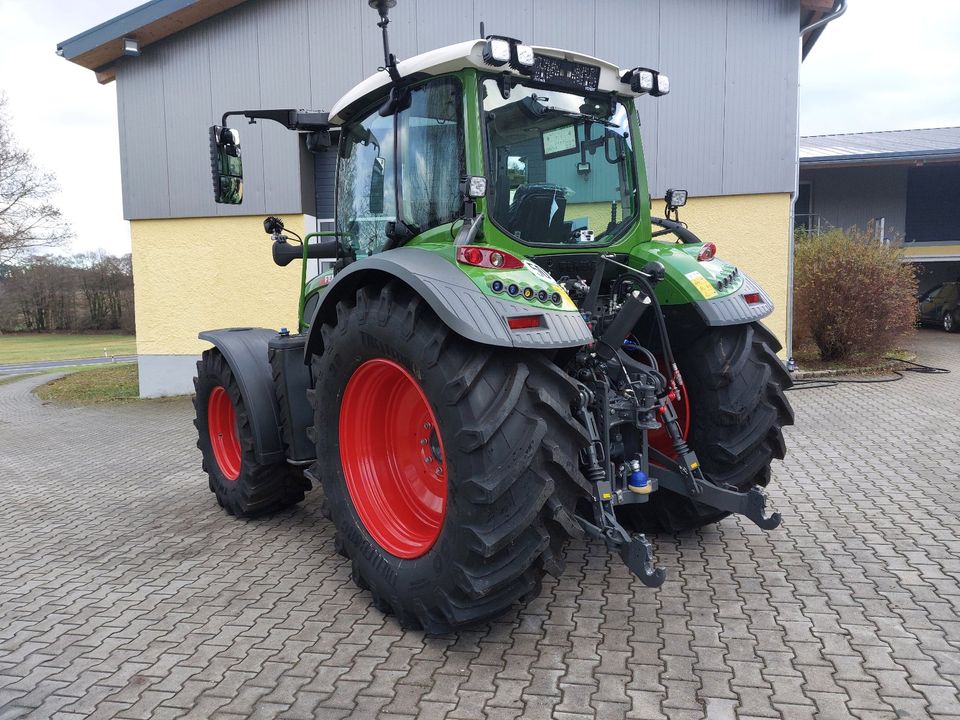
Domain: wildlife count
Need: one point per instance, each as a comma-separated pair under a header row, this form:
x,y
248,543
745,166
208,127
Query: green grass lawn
x,y
93,384
30,347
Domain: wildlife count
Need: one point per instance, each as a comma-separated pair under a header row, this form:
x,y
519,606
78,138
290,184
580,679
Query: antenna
x,y
482,30
389,61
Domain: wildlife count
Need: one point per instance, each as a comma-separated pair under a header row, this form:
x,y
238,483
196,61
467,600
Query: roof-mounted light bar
x,y
646,81
499,51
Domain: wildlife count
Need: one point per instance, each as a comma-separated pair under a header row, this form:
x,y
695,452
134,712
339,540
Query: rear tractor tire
x,y
735,384
449,468
244,487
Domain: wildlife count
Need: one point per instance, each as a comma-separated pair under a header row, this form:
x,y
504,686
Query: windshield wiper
x,y
580,116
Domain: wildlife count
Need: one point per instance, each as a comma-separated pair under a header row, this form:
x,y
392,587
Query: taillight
x,y
525,322
752,298
707,252
486,257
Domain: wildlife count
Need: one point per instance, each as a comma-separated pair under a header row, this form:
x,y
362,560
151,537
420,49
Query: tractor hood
x,y
468,54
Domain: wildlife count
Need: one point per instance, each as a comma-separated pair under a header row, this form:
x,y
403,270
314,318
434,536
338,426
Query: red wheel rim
x,y
222,423
392,458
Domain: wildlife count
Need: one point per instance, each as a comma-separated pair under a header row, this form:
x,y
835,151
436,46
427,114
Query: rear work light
x,y
752,298
707,252
525,322
486,257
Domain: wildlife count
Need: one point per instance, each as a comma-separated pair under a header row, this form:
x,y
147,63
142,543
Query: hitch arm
x,y
751,504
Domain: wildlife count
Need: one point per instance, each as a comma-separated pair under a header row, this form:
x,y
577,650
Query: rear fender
x,y
689,281
245,350
456,300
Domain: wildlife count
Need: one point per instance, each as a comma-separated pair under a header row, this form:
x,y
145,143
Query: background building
x,y
905,182
727,132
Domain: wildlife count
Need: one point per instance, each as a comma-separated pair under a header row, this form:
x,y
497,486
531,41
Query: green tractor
x,y
508,351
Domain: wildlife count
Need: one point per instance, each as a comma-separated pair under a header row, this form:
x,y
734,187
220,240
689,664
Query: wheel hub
x,y
392,457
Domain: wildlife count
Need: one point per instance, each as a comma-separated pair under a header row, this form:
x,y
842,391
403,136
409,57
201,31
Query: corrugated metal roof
x,y
888,144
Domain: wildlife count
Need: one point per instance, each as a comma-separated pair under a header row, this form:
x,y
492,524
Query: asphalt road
x,y
23,368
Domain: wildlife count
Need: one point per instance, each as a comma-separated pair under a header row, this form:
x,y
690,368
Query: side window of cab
x,y
430,133
412,160
366,183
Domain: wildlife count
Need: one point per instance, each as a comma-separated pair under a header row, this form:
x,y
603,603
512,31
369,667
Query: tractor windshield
x,y
560,165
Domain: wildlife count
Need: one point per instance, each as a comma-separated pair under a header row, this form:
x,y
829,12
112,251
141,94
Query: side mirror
x,y
376,186
225,165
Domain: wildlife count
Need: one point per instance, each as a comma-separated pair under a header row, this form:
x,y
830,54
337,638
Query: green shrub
x,y
853,296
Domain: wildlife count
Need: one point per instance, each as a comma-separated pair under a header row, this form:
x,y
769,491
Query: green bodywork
x,y
687,279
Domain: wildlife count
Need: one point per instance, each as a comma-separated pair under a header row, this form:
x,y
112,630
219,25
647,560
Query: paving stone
x,y
156,604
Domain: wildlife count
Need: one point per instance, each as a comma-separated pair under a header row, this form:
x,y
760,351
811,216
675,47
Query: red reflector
x,y
707,252
525,322
752,298
487,258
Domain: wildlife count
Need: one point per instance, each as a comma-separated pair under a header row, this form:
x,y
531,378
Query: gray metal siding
x,y
759,119
849,196
728,127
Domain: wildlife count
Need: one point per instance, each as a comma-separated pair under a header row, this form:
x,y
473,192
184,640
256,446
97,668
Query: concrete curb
x,y
883,366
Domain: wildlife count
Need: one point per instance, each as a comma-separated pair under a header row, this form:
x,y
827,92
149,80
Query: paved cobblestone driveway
x,y
126,592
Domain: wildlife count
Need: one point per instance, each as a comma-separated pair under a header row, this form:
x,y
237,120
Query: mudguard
x,y
456,300
245,350
733,309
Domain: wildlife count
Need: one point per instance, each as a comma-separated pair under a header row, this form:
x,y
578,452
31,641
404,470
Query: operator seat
x,y
530,214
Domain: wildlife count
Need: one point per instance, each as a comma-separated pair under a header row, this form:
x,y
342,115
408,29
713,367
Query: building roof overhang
x,y
812,11
100,47
885,147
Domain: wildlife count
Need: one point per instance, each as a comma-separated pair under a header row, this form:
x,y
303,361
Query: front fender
x,y
456,300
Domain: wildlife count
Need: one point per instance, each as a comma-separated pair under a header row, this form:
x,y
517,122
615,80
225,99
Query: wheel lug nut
x,y
427,426
423,441
427,459
439,470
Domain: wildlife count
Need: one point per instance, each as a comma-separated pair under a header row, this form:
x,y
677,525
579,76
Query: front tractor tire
x,y
735,384
449,468
244,486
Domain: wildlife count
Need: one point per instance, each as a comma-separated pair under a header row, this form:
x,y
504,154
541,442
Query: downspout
x,y
839,9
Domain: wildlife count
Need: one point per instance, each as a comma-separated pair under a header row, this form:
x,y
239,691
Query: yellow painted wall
x,y
752,232
930,250
193,274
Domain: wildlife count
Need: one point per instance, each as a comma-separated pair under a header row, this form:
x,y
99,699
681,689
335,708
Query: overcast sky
x,y
884,65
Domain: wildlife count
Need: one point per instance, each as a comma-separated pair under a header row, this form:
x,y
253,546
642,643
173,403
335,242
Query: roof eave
x,y
890,158
99,47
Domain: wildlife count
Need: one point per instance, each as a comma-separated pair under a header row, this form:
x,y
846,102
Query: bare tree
x,y
28,218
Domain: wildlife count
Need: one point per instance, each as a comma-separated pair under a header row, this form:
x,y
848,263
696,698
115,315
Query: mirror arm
x,y
307,121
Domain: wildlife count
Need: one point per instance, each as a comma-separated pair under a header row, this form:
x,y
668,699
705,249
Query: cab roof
x,y
467,54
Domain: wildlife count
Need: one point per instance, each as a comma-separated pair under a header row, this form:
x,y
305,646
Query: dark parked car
x,y
941,306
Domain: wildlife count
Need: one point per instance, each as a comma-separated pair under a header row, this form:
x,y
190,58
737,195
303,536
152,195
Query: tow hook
x,y
634,549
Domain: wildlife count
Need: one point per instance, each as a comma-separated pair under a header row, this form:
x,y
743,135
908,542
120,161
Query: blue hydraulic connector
x,y
638,481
